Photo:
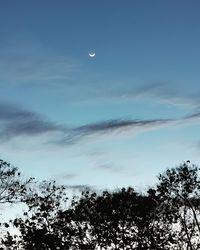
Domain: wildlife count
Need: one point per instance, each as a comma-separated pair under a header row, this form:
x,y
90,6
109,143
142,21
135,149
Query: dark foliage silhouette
x,y
179,194
165,217
119,220
39,226
12,187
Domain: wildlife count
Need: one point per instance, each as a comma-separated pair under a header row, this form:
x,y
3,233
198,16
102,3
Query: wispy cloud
x,y
12,112
193,116
80,188
112,126
32,62
69,176
162,92
101,161
125,127
117,125
15,121
18,122
166,93
109,167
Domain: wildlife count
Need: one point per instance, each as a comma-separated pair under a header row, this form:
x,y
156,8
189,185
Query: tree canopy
x,y
164,217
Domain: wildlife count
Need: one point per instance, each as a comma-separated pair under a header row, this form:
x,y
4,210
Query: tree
x,y
12,187
39,228
122,219
179,193
105,220
165,217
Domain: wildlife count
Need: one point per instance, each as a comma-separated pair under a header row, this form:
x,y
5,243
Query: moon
x,y
92,54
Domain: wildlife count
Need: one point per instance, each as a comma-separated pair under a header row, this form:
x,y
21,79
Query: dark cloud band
x,y
16,121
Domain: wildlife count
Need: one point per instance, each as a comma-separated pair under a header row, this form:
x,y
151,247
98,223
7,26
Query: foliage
x,y
12,187
165,217
39,227
179,194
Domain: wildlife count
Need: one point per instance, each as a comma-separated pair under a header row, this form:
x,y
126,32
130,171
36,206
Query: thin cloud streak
x,y
193,116
37,70
121,126
118,126
111,127
165,93
161,92
79,188
109,167
69,176
33,62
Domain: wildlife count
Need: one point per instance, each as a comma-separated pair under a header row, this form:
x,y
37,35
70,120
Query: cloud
x,y
15,121
159,88
37,70
161,92
165,93
109,167
24,62
193,116
69,176
112,126
126,127
80,188
12,112
18,122
30,127
120,124
100,161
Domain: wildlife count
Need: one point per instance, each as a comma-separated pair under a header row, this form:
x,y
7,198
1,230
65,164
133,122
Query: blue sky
x,y
114,120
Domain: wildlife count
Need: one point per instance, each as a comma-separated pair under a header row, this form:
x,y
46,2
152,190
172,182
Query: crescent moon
x,y
92,55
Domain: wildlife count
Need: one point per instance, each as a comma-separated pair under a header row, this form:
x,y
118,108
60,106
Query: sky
x,y
113,120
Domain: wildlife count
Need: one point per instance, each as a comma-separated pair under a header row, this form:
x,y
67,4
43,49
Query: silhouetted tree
x,y
165,217
39,227
12,187
119,220
179,193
